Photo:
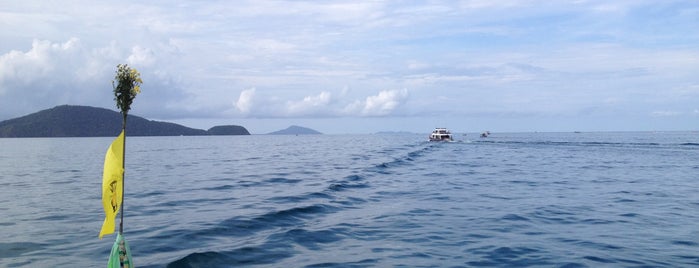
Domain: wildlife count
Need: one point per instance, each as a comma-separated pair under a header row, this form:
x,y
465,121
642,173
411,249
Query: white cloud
x,y
252,104
55,73
378,105
482,4
141,56
665,113
245,101
417,65
310,104
41,61
46,75
272,46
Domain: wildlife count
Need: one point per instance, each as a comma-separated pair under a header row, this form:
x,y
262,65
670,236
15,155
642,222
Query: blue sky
x,y
363,66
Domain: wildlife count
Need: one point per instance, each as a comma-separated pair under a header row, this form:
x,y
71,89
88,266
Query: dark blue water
x,y
509,200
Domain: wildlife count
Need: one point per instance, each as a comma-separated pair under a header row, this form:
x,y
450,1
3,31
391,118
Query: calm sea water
x,y
510,200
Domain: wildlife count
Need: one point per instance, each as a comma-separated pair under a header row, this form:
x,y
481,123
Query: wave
x,y
299,198
338,195
510,257
650,145
241,226
349,182
266,254
689,144
16,249
275,248
360,263
401,161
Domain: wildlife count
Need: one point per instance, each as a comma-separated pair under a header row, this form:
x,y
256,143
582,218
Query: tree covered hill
x,y
227,130
86,121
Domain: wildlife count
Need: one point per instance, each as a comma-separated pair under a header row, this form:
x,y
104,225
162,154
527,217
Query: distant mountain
x,y
394,132
86,121
295,130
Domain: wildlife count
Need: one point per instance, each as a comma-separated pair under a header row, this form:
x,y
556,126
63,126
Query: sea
x,y
590,199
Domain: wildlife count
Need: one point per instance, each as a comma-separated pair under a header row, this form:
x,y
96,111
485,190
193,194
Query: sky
x,y
344,67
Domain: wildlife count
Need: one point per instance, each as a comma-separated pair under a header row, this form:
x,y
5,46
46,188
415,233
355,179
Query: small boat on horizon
x,y
441,134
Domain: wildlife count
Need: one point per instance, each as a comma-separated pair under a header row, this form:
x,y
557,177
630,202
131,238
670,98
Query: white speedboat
x,y
441,134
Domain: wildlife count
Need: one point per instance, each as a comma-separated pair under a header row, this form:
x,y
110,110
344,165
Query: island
x,y
295,130
87,121
227,130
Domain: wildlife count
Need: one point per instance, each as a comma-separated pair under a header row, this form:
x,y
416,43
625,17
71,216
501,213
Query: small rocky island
x,y
86,121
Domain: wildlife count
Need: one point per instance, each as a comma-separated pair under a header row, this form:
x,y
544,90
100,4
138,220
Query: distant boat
x,y
485,134
441,134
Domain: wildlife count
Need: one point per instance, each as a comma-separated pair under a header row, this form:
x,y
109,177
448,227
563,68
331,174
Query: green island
x,y
87,121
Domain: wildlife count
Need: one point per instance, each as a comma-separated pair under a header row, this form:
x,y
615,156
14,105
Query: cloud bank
x,y
325,104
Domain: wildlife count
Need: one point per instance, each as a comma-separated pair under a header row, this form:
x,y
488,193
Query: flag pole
x,y
126,85
123,176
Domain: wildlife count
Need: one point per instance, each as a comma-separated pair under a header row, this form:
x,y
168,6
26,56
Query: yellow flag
x,y
112,181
